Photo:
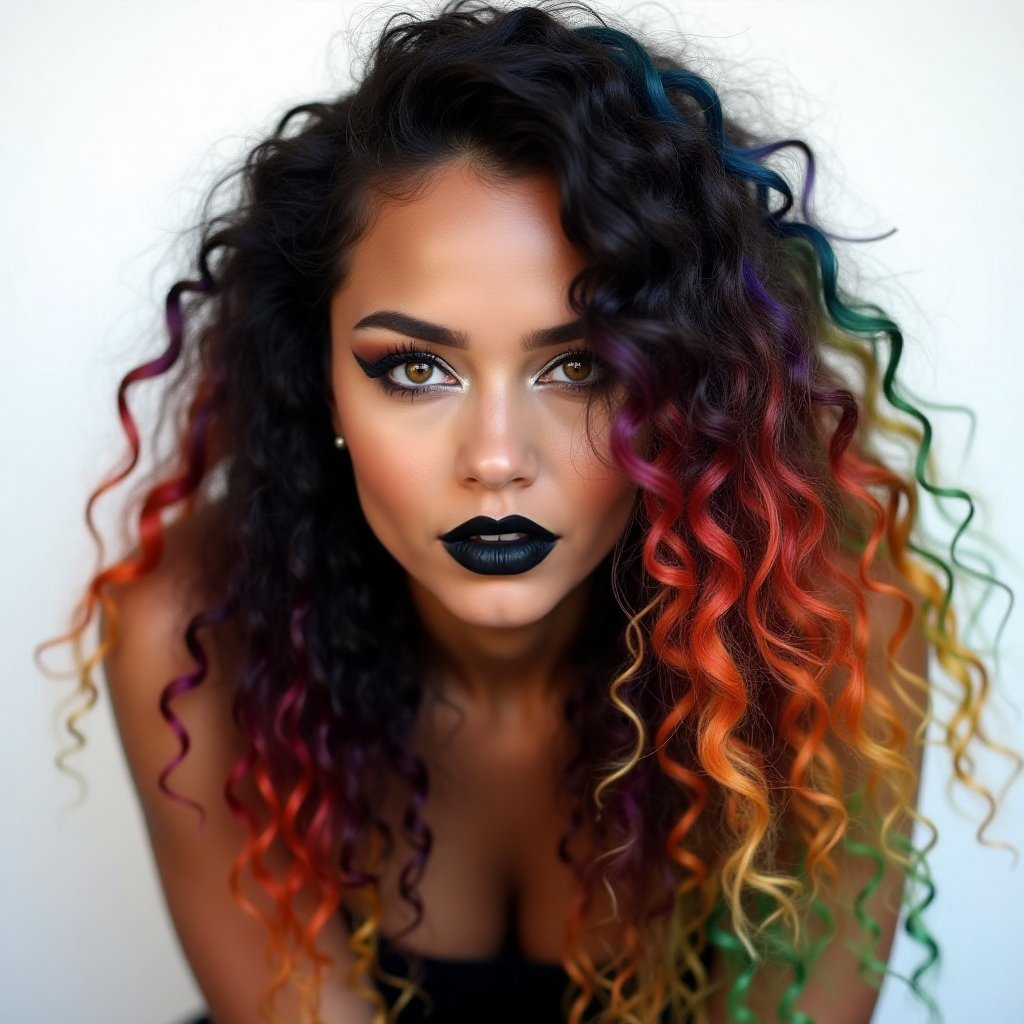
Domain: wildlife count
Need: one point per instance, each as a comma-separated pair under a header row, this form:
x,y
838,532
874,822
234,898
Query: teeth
x,y
499,536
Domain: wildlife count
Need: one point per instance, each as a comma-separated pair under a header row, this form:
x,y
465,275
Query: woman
x,y
533,615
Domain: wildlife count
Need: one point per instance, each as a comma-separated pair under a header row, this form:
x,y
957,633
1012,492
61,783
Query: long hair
x,y
706,741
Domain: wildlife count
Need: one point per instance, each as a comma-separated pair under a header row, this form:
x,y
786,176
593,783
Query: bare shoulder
x,y
146,650
166,597
172,591
225,947
835,992
885,610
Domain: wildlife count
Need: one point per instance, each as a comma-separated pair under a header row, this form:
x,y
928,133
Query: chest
x,y
497,813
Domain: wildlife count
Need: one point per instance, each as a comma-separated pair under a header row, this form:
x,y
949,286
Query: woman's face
x,y
490,426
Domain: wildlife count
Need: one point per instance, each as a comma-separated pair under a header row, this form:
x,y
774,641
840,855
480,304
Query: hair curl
x,y
716,305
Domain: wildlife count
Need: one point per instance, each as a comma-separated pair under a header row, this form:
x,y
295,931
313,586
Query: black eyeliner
x,y
406,352
395,357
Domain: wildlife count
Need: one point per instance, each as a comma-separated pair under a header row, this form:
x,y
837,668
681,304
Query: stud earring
x,y
339,441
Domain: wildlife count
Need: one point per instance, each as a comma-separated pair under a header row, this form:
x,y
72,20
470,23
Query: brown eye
x,y
416,369
578,369
418,373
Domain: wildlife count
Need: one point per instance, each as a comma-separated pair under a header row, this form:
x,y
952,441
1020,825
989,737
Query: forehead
x,y
462,246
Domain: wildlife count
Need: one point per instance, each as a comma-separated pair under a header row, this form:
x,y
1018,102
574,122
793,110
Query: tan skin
x,y
502,432
499,436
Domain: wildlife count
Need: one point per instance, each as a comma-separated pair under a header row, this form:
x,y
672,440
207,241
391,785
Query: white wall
x,y
115,115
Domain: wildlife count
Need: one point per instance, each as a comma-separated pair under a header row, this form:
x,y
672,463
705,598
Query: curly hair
x,y
711,766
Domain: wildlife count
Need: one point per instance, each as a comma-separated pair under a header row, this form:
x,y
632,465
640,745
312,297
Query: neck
x,y
497,670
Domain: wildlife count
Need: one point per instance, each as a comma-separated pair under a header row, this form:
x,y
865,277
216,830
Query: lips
x,y
515,545
485,526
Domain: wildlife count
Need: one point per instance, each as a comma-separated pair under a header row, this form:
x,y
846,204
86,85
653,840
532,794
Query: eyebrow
x,y
423,330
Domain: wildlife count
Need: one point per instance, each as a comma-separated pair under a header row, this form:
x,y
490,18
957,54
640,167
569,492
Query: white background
x,y
114,116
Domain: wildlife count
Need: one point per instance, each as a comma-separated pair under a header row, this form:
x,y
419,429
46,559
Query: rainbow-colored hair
x,y
714,767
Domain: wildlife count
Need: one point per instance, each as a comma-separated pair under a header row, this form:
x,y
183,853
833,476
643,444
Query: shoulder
x,y
144,648
143,622
896,695
156,606
891,607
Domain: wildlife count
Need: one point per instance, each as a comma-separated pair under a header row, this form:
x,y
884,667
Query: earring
x,y
339,441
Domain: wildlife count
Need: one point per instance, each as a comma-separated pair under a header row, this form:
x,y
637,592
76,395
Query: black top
x,y
502,990
506,989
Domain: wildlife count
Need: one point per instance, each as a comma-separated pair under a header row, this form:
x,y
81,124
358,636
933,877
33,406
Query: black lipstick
x,y
499,547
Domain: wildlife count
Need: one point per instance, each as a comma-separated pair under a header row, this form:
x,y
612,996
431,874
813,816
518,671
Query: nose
x,y
497,446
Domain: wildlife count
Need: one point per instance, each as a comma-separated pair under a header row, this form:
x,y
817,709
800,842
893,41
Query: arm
x,y
835,993
224,945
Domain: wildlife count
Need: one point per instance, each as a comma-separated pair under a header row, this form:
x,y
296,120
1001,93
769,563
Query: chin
x,y
500,609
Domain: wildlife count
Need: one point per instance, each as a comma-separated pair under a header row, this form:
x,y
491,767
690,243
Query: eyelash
x,y
406,352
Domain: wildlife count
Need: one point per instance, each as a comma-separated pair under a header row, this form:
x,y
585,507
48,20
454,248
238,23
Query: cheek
x,y
612,502
598,491
390,481
389,471
588,454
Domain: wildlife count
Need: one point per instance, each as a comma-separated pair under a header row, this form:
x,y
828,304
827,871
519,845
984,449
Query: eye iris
x,y
577,366
418,373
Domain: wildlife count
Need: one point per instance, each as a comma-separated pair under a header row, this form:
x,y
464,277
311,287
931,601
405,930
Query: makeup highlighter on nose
x,y
499,547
